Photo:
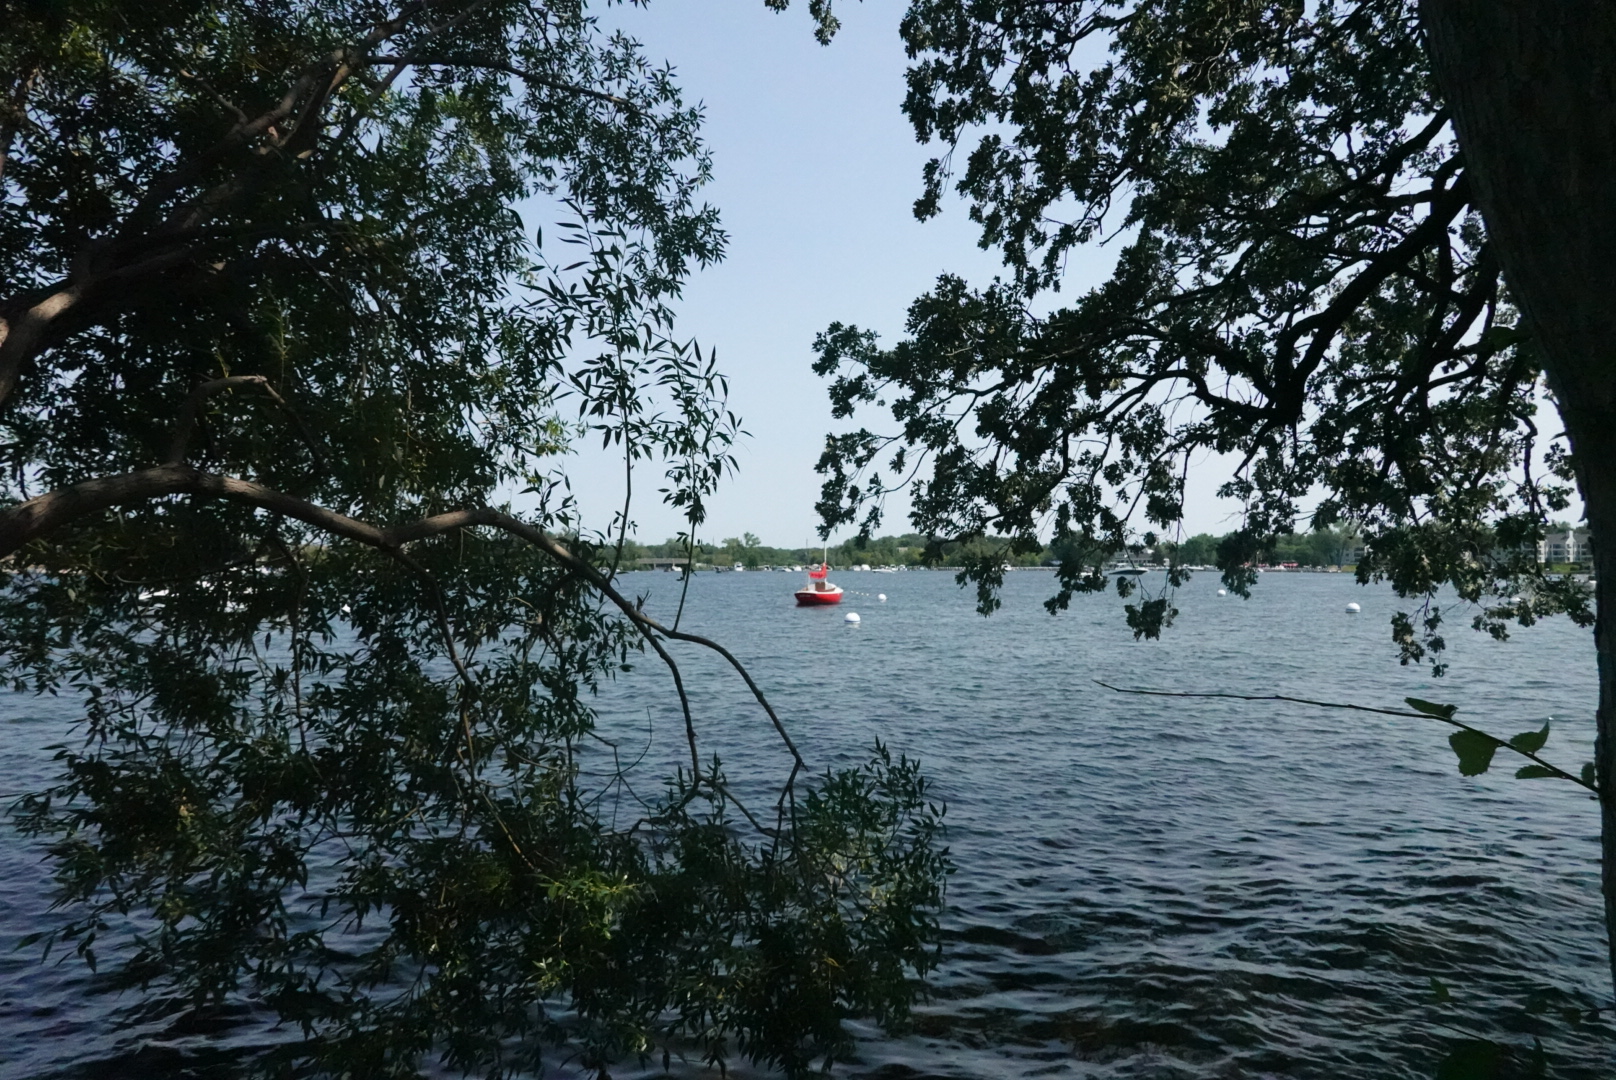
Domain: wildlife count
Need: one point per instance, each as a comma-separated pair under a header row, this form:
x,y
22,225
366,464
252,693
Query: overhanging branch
x,y
1502,744
529,77
38,517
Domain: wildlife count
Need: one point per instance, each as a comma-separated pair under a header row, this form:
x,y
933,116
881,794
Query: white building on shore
x,y
1560,546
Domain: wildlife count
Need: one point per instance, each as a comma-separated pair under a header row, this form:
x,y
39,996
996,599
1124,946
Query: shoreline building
x,y
1560,546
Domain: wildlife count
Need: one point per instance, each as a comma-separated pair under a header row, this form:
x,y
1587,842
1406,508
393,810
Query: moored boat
x,y
819,590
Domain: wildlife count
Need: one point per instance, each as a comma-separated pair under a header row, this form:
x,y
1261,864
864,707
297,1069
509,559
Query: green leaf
x,y
1475,751
1588,773
1530,742
1534,772
1439,991
1430,708
1496,338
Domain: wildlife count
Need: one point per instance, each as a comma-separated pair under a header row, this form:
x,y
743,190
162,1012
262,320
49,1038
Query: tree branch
x,y
38,517
185,426
1558,772
26,324
14,113
508,69
22,333
1322,326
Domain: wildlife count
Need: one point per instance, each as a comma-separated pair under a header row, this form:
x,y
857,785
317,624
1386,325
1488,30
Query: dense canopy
x,y
1301,282
277,351
1365,249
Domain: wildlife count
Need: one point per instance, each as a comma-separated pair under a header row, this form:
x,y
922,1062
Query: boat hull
x,y
813,598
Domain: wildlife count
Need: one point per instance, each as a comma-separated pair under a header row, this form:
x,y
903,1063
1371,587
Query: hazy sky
x,y
816,171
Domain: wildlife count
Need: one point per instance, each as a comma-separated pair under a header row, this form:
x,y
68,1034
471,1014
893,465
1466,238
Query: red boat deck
x,y
814,597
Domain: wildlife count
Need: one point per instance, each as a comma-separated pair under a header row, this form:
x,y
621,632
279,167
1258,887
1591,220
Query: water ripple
x,y
1148,889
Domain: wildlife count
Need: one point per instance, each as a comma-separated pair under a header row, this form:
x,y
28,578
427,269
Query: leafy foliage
x,y
1475,748
1301,281
275,351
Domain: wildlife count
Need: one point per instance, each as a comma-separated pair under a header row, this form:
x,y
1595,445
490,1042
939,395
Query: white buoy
x,y
851,617
1353,609
1223,592
881,597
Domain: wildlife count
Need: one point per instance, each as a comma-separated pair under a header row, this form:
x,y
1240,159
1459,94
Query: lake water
x,y
1146,887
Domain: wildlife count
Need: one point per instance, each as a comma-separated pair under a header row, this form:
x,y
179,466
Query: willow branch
x,y
36,518
185,427
441,610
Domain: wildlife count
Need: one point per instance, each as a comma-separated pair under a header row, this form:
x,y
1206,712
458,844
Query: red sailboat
x,y
819,590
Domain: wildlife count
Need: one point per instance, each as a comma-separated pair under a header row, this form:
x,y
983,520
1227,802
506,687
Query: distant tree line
x,y
1321,547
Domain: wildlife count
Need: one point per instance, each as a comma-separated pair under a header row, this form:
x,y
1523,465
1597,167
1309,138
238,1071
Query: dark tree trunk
x,y
1531,88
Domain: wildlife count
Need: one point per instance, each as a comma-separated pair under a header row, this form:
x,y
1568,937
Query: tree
x,y
275,353
1197,550
1359,244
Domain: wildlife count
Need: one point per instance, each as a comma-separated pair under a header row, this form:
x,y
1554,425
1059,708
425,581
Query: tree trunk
x,y
1595,441
1531,88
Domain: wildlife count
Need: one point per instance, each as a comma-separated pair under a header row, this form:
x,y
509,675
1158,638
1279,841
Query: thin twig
x,y
442,612
526,76
185,426
1450,721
